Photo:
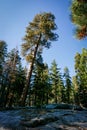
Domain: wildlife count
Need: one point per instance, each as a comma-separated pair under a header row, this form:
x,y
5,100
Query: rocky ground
x,y
43,119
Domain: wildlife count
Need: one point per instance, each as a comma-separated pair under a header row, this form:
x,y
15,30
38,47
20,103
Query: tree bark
x,y
27,86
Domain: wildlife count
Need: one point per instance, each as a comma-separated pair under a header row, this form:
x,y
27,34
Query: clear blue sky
x,y
15,16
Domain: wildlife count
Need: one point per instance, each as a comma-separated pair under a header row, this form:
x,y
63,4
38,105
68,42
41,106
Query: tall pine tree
x,y
81,75
39,34
68,84
56,82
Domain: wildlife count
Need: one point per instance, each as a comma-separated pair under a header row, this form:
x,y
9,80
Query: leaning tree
x,y
39,34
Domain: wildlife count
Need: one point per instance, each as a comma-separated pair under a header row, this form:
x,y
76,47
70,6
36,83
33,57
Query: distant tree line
x,y
38,84
47,85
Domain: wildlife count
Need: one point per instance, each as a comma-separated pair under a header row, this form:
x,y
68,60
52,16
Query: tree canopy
x,y
79,17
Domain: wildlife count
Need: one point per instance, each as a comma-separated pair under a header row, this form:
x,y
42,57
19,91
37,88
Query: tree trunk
x,y
47,98
27,86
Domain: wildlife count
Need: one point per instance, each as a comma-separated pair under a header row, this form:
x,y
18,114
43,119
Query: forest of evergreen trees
x,y
38,84
47,85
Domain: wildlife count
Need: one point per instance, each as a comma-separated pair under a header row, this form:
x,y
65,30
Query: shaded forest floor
x,y
43,119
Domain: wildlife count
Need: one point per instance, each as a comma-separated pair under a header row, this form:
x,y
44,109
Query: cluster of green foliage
x,y
80,80
79,17
47,86
12,76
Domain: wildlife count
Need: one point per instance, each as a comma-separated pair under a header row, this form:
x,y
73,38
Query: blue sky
x,y
15,16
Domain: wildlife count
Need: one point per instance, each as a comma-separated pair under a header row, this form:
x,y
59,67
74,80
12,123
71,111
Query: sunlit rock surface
x,y
43,119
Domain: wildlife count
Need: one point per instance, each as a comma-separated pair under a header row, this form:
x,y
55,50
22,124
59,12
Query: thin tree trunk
x,y
2,95
27,86
35,98
47,98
